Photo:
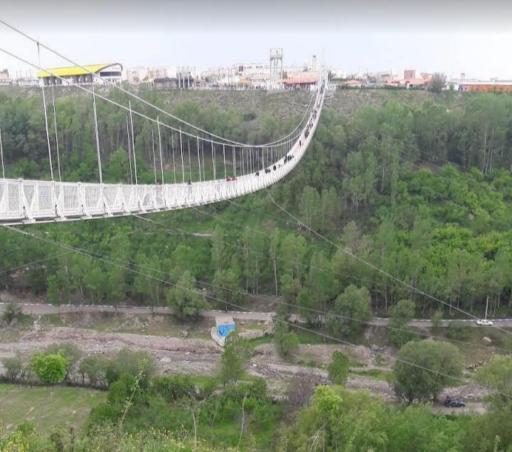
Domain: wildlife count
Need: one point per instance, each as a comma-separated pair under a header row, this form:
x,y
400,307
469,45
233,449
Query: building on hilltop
x,y
4,77
75,75
303,80
165,82
502,86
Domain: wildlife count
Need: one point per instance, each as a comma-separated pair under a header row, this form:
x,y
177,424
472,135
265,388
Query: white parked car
x,y
484,322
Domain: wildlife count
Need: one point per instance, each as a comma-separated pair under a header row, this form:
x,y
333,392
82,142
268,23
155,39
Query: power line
x,y
341,341
376,268
79,251
117,104
129,93
236,245
317,311
28,264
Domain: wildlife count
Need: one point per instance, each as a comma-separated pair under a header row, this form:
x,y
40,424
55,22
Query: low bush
x,y
50,368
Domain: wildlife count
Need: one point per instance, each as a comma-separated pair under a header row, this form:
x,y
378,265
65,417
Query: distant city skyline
x,y
463,37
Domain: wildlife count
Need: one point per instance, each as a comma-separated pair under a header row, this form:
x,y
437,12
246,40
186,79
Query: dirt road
x,y
46,309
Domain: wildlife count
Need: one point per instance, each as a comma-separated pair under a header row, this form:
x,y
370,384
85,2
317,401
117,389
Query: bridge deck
x,y
32,201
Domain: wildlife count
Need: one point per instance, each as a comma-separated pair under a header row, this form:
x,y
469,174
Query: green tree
x,y
338,368
350,312
184,299
310,207
285,340
293,251
493,431
227,288
338,419
94,369
134,363
424,368
497,374
220,252
69,351
274,256
290,288
321,281
233,359
437,83
50,368
330,210
401,314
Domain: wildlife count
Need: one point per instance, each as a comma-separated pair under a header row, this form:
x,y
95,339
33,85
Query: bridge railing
x,y
30,201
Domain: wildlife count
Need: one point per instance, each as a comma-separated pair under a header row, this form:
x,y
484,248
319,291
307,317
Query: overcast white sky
x,y
449,36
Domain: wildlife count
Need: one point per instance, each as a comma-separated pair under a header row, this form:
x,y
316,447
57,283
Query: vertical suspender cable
x,y
45,117
202,157
198,157
2,154
154,153
160,149
56,134
173,156
128,143
213,161
224,154
97,134
234,161
189,161
243,164
182,161
133,143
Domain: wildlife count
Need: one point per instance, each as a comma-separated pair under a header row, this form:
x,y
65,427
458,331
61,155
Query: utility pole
x,y
486,306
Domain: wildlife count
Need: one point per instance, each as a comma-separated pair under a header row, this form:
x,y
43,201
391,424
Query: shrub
x,y
69,351
173,387
338,368
14,369
50,368
137,364
458,330
285,340
94,368
11,313
436,320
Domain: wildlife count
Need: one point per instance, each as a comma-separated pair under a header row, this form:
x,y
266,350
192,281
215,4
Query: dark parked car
x,y
453,403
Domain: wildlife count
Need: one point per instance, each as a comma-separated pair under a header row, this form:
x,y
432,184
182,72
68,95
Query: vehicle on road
x,y
484,322
453,403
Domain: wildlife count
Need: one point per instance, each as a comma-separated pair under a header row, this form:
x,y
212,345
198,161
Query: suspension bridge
x,y
205,168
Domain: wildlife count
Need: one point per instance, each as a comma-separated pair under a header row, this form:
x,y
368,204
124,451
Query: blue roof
x,y
226,328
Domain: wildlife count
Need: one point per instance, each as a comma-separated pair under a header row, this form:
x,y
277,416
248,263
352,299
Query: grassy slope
x,y
50,408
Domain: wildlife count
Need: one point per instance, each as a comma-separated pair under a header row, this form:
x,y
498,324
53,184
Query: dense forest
x,y
420,191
